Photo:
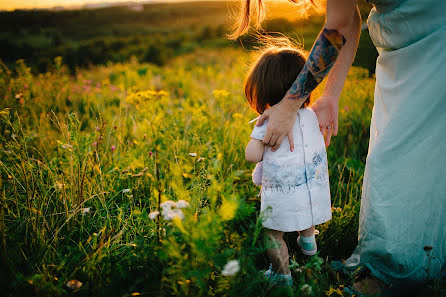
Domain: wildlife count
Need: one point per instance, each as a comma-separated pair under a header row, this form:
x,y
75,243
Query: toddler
x,y
295,193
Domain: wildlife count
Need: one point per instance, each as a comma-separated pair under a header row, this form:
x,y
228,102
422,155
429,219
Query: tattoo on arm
x,y
322,57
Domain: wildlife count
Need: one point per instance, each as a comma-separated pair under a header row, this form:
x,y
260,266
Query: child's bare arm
x,y
254,150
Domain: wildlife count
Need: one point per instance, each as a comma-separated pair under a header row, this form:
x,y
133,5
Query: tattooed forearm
x,y
322,57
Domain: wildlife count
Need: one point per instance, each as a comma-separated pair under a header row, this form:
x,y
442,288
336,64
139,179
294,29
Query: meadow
x,y
88,157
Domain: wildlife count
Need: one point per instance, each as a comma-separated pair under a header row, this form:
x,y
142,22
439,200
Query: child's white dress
x,y
295,189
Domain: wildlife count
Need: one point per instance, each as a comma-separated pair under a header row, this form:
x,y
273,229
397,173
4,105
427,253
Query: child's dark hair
x,y
272,75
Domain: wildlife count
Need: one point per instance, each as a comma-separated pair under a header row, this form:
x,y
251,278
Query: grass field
x,y
86,158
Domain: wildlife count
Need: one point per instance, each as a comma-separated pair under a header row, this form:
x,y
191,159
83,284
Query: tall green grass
x,y
86,159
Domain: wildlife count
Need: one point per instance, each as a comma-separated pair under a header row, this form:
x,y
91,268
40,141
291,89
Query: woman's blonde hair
x,y
242,25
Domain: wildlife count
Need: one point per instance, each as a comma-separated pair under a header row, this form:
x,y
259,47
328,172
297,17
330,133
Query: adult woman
x,y
404,195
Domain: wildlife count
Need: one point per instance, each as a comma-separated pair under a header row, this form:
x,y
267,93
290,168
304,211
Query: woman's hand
x,y
326,110
281,119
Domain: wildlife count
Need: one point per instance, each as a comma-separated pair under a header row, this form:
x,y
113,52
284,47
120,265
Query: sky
x,y
27,4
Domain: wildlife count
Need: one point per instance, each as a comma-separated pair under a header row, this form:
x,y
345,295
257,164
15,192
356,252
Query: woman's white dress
x,y
403,207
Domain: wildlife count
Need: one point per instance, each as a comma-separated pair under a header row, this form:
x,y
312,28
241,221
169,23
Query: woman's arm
x,y
340,16
254,151
326,107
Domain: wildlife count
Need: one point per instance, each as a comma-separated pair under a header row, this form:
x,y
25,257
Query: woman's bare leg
x,y
278,251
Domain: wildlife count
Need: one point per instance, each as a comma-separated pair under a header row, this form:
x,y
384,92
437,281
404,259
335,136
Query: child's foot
x,y
281,280
307,245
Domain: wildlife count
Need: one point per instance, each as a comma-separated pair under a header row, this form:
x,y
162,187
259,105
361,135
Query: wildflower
x,y
85,210
346,108
228,209
200,159
166,211
67,146
170,214
306,289
316,232
193,154
167,214
95,143
182,204
113,148
126,190
97,128
178,213
231,268
237,116
150,153
74,284
167,204
153,215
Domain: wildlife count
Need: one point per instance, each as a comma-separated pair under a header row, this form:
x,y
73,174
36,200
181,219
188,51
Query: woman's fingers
x,y
263,117
323,129
278,142
267,137
291,140
273,140
335,130
328,136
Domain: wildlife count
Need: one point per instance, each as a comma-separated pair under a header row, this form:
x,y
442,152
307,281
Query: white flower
x,y
193,154
153,215
200,159
67,146
231,268
316,232
167,204
306,289
166,211
170,214
182,204
85,210
178,213
126,190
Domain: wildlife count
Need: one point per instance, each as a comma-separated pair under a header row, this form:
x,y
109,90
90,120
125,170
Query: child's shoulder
x,y
258,132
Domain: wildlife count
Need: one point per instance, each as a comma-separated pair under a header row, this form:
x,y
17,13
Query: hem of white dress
x,y
294,228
